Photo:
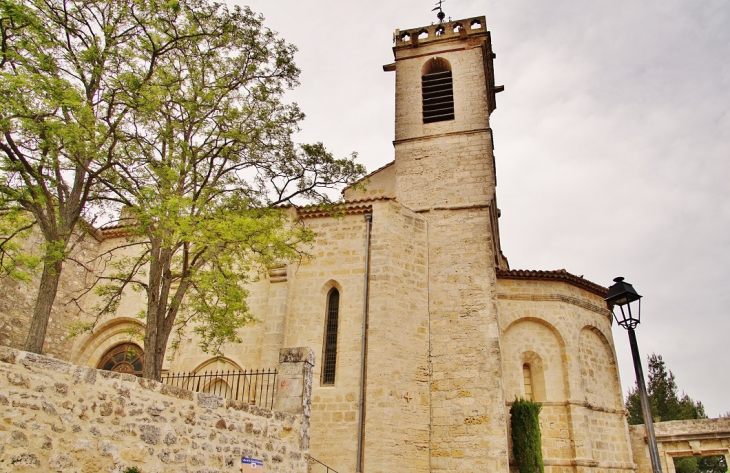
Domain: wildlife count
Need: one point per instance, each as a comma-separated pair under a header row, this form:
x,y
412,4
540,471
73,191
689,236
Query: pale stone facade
x,y
453,335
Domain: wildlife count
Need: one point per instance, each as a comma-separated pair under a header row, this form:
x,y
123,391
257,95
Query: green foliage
x,y
132,469
70,74
709,464
666,403
208,162
15,261
75,329
173,109
526,438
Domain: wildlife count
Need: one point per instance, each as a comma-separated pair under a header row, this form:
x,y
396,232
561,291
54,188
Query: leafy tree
x,y
70,71
666,405
208,162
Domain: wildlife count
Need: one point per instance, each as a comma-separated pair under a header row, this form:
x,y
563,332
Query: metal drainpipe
x,y
366,290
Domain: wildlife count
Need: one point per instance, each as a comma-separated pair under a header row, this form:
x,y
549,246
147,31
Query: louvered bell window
x,y
438,97
330,338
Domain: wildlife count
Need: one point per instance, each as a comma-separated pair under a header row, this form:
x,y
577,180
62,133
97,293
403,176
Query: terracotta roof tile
x,y
557,275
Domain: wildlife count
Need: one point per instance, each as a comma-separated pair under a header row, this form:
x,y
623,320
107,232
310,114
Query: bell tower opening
x,y
437,88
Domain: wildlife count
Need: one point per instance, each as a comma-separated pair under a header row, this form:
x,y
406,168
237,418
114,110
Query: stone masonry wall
x,y
681,438
57,417
339,263
18,301
564,333
467,397
397,409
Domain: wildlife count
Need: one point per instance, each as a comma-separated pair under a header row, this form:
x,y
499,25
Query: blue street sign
x,y
252,462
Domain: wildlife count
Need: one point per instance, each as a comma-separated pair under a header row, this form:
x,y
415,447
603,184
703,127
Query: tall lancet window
x,y
329,362
527,375
438,91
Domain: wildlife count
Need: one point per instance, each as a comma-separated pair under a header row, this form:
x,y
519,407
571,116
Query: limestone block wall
x,y
454,171
339,263
379,183
563,332
18,300
467,398
66,418
681,438
397,401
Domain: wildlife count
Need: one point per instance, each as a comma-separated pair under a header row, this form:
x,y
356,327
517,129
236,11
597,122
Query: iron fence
x,y
256,387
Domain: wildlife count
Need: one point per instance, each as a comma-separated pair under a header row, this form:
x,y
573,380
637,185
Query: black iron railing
x,y
256,387
316,468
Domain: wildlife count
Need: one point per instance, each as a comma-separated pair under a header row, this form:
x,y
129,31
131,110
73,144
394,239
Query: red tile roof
x,y
557,275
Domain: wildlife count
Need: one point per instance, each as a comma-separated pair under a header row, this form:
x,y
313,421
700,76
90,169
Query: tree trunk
x,y
44,303
154,356
155,338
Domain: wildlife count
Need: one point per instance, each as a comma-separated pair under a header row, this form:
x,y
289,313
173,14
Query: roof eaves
x,y
557,275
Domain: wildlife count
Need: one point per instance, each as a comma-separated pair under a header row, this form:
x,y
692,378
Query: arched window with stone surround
x,y
437,88
124,358
329,358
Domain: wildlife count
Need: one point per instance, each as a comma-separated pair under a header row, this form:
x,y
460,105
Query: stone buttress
x,y
444,171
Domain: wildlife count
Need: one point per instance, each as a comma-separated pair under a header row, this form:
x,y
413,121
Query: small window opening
x,y
329,363
476,24
440,31
405,37
438,91
527,376
423,34
458,27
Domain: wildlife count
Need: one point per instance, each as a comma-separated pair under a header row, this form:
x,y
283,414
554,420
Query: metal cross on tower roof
x,y
441,15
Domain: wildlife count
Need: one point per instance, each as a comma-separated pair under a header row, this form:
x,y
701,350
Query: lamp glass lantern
x,y
621,294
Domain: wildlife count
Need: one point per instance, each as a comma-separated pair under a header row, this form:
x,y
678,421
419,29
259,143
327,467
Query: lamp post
x,y
621,295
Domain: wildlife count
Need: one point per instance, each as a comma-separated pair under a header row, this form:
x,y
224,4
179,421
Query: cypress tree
x,y
526,441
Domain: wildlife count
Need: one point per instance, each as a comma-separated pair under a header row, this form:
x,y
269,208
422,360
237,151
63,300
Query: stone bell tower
x,y
444,170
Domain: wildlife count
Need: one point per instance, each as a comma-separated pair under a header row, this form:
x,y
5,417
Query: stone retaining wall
x,y
681,438
55,416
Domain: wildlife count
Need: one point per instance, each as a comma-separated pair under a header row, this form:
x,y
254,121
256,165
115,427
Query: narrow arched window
x,y
438,91
527,375
329,362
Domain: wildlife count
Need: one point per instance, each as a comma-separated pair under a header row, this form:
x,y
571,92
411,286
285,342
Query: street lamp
x,y
621,295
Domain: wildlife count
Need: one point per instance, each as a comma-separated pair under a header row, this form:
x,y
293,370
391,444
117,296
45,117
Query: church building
x,y
422,333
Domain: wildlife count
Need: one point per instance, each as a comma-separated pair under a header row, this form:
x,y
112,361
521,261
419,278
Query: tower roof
x,y
447,31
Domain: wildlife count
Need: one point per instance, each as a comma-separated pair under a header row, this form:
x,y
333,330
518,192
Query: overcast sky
x,y
612,142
